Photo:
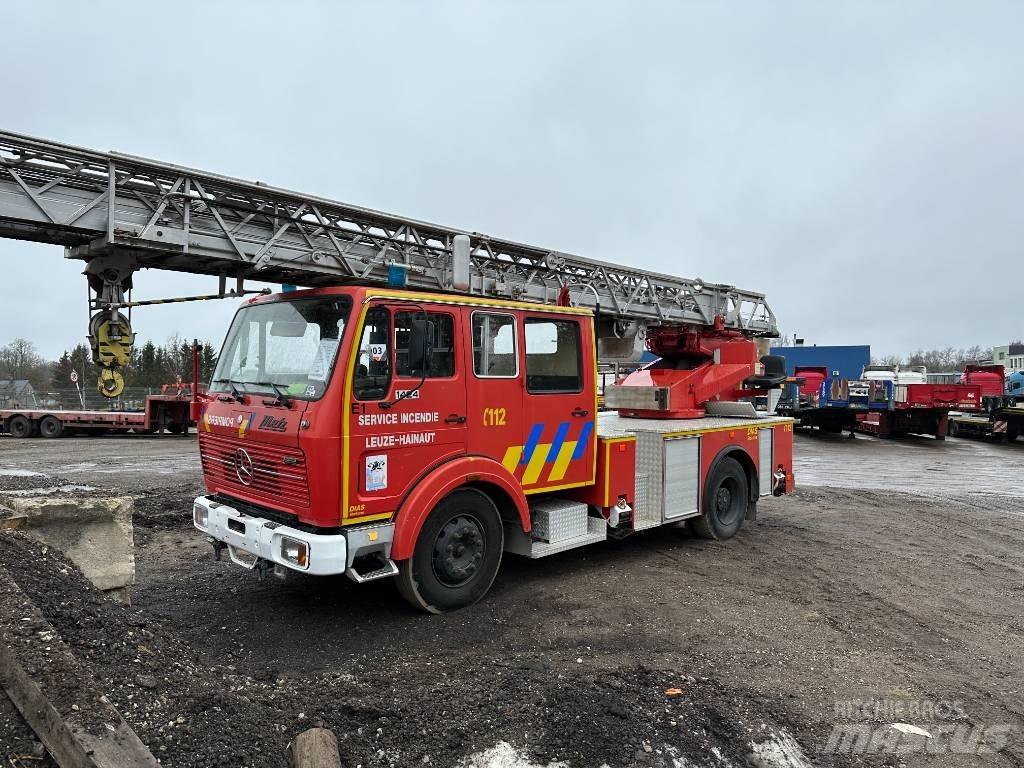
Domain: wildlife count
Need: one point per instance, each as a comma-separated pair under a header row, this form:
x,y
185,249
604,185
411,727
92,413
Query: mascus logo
x,y
273,424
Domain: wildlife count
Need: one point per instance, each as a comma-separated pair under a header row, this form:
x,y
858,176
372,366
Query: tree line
x,y
948,360
151,365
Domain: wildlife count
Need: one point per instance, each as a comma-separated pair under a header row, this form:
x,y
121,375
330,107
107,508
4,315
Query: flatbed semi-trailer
x,y
921,409
1006,423
170,413
1001,415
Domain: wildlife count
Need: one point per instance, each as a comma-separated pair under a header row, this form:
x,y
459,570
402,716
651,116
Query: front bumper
x,y
250,539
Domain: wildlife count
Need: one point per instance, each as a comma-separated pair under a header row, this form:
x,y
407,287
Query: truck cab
x,y
916,374
332,409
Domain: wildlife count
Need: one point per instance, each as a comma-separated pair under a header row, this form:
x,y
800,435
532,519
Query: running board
x,y
525,544
388,570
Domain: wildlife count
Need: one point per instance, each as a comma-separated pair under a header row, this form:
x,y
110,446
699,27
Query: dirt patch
x,y
19,747
395,709
168,507
832,597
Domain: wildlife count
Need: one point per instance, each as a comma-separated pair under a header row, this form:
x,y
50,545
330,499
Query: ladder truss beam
x,y
169,217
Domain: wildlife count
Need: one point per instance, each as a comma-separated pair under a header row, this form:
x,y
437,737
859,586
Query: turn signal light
x,y
294,551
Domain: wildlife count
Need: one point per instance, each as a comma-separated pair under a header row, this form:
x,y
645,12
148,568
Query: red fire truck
x,y
379,432
430,402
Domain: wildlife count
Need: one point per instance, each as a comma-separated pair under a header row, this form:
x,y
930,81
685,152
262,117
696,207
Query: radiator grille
x,y
270,478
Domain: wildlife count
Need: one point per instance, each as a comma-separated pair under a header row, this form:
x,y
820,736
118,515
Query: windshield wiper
x,y
282,398
234,390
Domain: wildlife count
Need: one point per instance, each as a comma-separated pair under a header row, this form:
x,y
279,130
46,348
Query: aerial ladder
x,y
120,213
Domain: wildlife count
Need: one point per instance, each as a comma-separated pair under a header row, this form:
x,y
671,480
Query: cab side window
x,y
442,334
494,345
553,356
372,376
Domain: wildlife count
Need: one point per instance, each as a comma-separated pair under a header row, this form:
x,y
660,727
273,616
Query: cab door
x,y
403,420
494,385
559,401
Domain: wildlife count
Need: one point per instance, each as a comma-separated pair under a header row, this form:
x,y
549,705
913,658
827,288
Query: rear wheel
x,y
51,426
19,426
457,554
726,496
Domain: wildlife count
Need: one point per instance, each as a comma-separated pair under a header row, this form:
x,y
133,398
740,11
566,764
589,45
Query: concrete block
x,y
95,533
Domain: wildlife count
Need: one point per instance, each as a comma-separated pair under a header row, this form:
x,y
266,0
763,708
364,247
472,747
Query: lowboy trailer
x,y
161,412
430,403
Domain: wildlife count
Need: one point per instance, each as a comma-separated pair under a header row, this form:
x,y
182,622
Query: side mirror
x,y
421,344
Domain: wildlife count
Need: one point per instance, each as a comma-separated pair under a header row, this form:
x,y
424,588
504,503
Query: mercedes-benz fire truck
x,y
429,402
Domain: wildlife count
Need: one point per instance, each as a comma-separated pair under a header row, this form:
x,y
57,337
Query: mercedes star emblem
x,y
243,466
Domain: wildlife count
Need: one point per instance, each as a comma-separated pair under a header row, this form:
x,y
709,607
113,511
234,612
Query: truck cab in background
x,y
915,374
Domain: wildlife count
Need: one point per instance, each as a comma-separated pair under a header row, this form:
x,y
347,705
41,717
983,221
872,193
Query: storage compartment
x,y
558,520
682,477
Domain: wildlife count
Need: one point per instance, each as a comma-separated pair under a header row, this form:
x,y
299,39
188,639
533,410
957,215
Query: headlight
x,y
200,516
294,551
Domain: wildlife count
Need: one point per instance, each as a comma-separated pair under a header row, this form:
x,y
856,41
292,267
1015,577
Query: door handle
x,y
580,412
455,419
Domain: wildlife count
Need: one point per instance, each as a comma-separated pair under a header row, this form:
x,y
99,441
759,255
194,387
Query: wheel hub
x,y
728,503
458,551
723,500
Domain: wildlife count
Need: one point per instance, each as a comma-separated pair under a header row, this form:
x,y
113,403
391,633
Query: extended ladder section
x,y
121,213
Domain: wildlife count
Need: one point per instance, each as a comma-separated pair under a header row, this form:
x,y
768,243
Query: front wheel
x,y
457,554
726,496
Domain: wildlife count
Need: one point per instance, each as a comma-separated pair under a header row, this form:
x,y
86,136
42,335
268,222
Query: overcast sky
x,y
860,163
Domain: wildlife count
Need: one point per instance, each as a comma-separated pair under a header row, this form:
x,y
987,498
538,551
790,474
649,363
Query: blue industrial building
x,y
848,360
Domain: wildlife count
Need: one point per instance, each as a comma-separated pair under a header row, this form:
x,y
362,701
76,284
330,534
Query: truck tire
x,y
51,426
953,430
19,426
457,554
724,505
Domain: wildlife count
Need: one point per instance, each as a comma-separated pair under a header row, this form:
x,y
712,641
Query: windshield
x,y
284,347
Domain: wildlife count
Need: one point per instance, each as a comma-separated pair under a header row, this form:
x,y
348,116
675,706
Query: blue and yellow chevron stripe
x,y
533,457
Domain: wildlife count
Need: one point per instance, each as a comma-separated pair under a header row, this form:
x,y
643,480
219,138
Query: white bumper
x,y
261,538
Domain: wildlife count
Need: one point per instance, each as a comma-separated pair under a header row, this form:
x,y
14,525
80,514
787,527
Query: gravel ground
x,y
836,596
388,708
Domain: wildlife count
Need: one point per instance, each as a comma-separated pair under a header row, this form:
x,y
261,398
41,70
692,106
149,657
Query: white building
x,y
1010,356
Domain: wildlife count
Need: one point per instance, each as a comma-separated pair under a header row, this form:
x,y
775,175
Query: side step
x,y
558,525
387,570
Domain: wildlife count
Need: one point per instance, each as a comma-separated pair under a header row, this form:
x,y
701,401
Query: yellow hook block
x,y
110,383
